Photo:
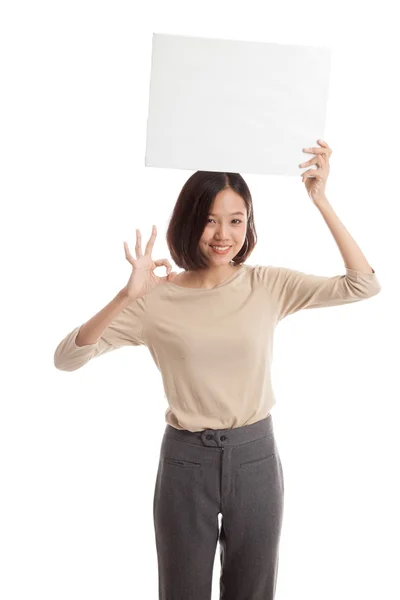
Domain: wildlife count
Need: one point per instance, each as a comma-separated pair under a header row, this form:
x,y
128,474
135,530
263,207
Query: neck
x,y
211,277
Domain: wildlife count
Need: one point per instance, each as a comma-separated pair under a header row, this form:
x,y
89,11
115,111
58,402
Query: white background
x,y
79,450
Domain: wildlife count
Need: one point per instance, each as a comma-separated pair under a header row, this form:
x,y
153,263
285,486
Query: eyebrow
x,y
234,213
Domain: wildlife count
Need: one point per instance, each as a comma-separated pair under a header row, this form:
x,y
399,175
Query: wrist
x,y
123,295
322,200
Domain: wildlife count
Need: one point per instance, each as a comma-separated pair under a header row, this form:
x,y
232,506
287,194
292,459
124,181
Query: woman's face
x,y
223,228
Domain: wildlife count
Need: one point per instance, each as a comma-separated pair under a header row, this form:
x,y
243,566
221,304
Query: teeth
x,y
220,247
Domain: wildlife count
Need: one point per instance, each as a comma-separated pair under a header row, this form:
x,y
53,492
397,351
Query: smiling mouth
x,y
221,251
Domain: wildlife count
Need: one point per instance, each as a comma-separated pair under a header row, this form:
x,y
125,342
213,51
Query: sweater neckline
x,y
235,274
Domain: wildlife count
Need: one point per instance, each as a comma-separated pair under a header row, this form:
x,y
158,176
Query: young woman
x,y
210,332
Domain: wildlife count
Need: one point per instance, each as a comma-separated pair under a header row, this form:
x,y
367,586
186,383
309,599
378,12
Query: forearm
x,y
91,331
350,251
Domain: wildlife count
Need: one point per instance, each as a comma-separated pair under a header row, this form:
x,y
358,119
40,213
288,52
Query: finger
x,y
327,151
311,173
128,255
150,243
163,262
305,176
169,277
323,162
138,246
312,161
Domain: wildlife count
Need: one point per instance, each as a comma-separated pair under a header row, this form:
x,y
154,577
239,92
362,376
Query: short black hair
x,y
190,213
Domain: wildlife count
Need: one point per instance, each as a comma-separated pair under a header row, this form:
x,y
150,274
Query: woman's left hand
x,y
315,179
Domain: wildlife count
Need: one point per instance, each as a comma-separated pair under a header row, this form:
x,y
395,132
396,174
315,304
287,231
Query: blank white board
x,y
238,106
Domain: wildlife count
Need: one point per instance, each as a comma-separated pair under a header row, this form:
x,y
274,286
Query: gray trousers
x,y
233,472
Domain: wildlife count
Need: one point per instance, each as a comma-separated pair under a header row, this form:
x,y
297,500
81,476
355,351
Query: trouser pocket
x,y
256,462
181,463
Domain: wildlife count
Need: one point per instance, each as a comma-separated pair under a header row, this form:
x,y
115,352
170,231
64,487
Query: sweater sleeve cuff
x,y
358,274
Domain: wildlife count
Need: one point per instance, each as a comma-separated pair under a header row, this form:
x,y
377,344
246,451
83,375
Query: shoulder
x,y
268,273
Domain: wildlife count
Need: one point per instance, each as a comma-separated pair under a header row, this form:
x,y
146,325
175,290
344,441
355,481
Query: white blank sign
x,y
227,105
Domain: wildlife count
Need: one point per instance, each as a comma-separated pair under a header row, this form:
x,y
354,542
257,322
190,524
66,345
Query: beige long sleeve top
x,y
213,347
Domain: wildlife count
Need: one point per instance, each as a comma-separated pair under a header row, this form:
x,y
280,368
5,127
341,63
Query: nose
x,y
222,232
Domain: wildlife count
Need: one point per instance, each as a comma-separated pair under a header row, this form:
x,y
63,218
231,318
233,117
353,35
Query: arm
x,y
353,257
293,290
91,331
120,323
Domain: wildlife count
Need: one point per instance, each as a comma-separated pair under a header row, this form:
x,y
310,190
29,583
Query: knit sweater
x,y
213,347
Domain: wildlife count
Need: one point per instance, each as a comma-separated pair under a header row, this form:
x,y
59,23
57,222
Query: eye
x,y
210,219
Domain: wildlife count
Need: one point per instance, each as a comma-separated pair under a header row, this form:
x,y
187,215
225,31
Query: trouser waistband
x,y
223,437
